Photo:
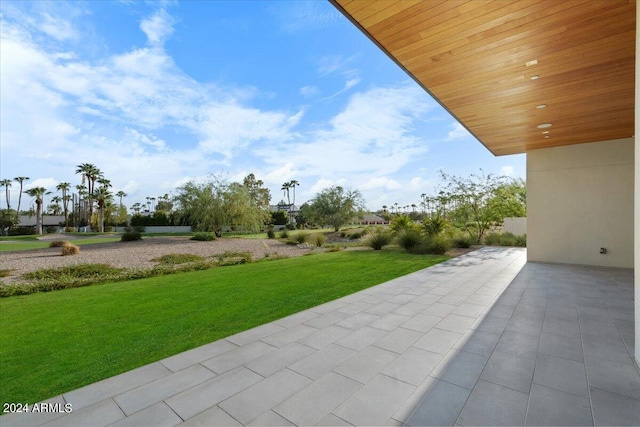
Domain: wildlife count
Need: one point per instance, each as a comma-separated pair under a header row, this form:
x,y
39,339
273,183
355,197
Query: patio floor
x,y
483,339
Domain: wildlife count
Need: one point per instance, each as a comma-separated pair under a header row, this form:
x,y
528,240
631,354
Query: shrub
x,y
70,229
203,237
5,272
317,239
50,229
300,238
434,226
130,236
492,239
507,239
462,242
139,228
270,233
173,259
409,239
22,231
521,241
290,227
69,249
57,244
284,234
378,239
108,229
355,235
401,222
438,245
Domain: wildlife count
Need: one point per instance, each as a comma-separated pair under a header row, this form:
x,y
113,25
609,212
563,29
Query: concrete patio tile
x,y
422,322
332,420
470,310
355,307
518,344
460,368
495,405
25,419
190,357
610,348
270,419
376,402
477,342
594,313
403,298
438,341
286,337
620,378
411,309
389,322
453,299
567,328
258,399
326,319
329,306
109,387
501,311
324,336
277,360
561,374
440,309
491,324
318,400
366,364
321,362
210,393
252,335
611,409
398,340
211,417
480,299
234,358
598,328
413,366
383,308
551,407
525,325
156,391
98,414
562,346
508,370
358,320
296,319
362,338
455,323
427,299
440,405
158,415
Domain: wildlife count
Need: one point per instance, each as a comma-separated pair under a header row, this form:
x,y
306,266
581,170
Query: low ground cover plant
x,y
69,249
130,236
203,237
173,259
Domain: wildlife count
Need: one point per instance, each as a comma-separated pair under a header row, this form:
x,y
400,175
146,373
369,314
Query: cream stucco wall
x,y
580,199
637,199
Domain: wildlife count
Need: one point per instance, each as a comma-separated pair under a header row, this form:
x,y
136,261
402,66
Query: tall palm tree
x,y
293,184
285,191
55,207
103,197
121,194
6,183
153,203
21,180
38,193
64,188
90,173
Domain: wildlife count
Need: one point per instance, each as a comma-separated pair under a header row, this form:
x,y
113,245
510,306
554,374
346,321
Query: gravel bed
x,y
139,254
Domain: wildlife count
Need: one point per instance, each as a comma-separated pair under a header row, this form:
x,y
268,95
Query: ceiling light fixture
x,y
541,106
544,125
530,63
544,132
536,77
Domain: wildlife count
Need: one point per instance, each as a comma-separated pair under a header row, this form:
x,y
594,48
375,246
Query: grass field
x,y
58,341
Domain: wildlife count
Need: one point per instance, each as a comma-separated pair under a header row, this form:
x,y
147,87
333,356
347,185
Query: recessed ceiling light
x,y
544,132
541,106
546,136
530,63
544,125
536,77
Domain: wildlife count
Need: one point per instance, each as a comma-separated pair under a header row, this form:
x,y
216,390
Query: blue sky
x,y
159,93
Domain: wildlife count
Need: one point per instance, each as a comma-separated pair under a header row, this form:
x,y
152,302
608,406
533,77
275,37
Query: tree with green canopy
x,y
335,206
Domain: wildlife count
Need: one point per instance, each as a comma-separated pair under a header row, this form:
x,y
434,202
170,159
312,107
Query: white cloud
x,y
507,170
48,183
309,91
158,27
381,183
457,132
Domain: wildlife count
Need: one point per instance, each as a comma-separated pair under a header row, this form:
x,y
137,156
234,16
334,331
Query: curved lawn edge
x,y
59,341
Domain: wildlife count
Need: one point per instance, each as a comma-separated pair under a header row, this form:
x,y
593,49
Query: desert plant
x,y
70,229
57,243
300,238
173,259
462,242
438,245
284,234
378,239
435,225
203,237
492,239
69,249
317,239
5,272
355,235
409,238
130,236
401,222
507,239
521,241
270,233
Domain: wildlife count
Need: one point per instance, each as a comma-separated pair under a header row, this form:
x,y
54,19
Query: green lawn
x,y
58,341
8,244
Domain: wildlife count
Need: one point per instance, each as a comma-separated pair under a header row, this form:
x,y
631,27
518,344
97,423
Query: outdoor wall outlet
x,y
603,251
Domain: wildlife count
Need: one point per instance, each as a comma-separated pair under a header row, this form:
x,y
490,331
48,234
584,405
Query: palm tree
x,y
413,207
21,180
64,187
6,183
90,173
384,209
153,203
38,193
293,183
55,207
121,194
285,191
102,196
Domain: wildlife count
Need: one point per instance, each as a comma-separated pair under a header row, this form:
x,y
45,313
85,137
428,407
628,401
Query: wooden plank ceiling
x,y
472,56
